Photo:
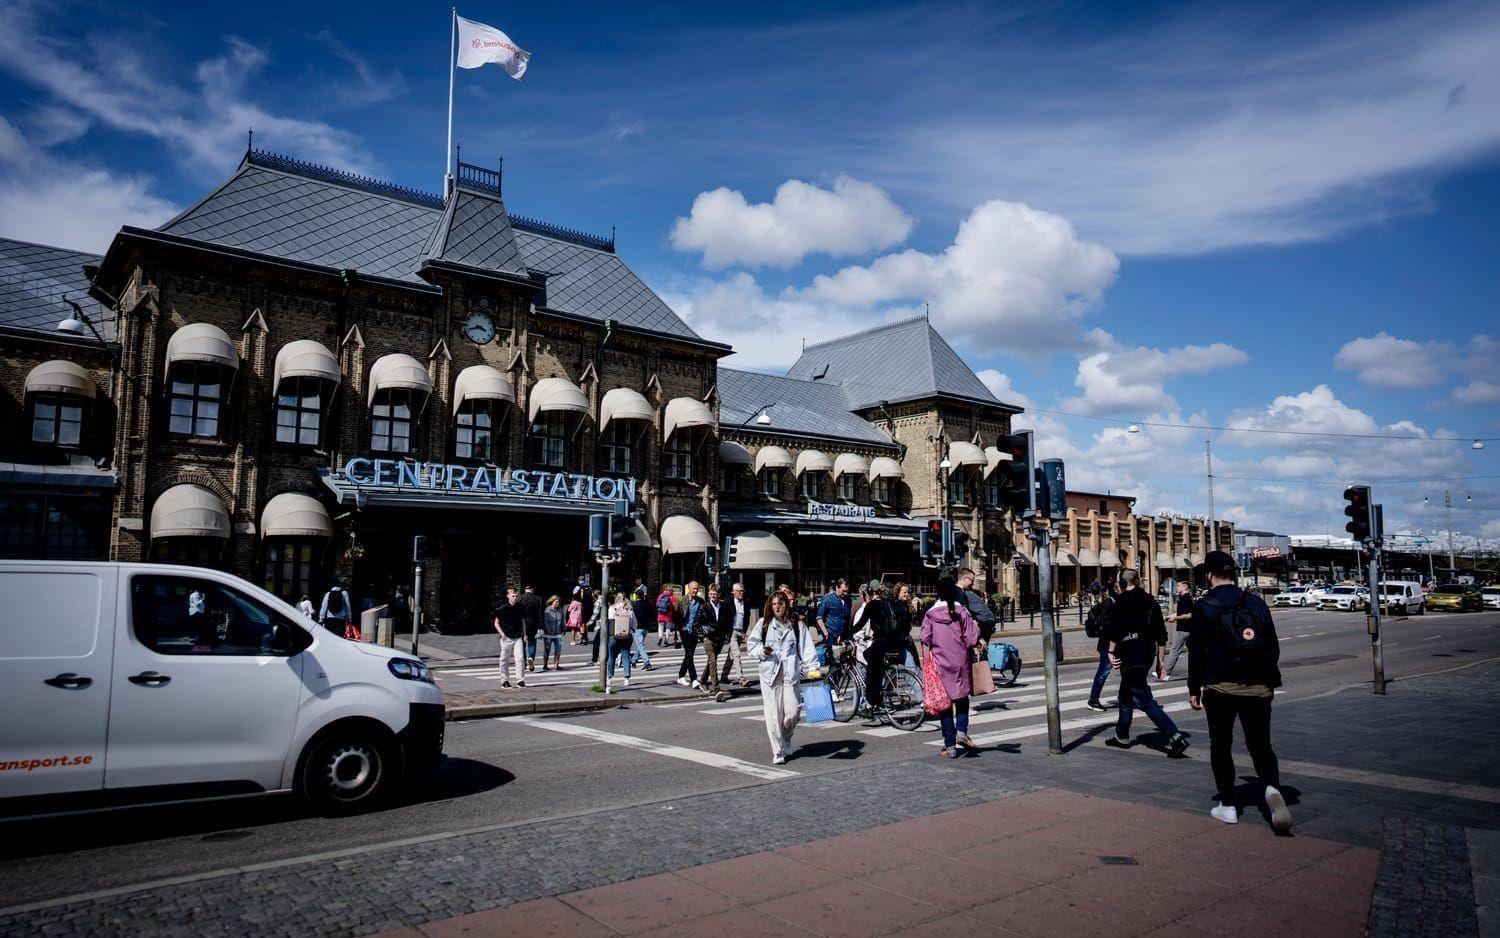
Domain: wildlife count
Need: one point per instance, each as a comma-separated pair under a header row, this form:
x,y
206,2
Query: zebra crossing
x,y
578,671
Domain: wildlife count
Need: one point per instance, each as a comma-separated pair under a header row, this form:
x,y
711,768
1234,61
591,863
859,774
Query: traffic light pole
x,y
1377,651
1049,638
605,559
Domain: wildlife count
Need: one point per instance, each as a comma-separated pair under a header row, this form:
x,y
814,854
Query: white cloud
x,y
1477,392
851,218
1000,386
1014,277
1123,380
1384,361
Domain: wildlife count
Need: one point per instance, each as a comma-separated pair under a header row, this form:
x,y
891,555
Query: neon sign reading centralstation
x,y
484,480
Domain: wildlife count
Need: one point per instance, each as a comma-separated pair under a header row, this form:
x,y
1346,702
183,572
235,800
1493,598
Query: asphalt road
x,y
522,769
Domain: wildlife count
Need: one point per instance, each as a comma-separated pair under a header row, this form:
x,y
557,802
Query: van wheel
x,y
347,772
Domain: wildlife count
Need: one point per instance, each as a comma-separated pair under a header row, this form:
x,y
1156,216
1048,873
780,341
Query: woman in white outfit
x,y
784,649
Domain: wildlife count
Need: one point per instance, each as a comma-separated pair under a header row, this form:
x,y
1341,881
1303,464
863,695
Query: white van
x,y
129,683
1401,597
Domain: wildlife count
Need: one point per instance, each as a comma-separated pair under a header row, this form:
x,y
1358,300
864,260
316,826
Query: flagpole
x,y
452,68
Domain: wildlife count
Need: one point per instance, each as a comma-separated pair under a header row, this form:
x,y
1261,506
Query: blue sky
x,y
1246,216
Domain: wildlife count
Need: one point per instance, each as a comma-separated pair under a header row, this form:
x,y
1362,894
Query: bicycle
x,y
900,691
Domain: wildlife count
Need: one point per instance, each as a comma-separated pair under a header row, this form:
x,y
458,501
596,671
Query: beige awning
x,y
1197,558
482,383
850,462
812,460
189,511
1108,558
1064,558
637,535
201,342
684,534
884,467
1088,558
1164,560
773,457
304,358
1181,561
758,550
993,457
965,454
555,394
292,514
733,454
684,413
397,371
623,404
60,377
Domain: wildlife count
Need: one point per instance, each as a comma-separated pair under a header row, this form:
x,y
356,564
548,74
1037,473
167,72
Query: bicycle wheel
x,y
846,693
903,699
1008,675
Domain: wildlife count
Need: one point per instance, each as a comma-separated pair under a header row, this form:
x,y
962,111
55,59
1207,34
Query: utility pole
x,y
1448,504
1051,503
1213,529
605,559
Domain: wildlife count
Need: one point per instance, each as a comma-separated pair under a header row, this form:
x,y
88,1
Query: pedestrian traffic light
x,y
960,545
1358,510
1378,529
936,541
618,528
1016,473
1053,497
598,533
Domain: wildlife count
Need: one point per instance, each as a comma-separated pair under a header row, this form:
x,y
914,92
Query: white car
x,y
1291,596
1315,594
1345,598
1402,597
129,683
1491,596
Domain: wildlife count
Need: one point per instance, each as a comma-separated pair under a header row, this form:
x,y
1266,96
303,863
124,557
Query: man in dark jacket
x,y
717,619
1103,610
1136,635
532,605
1233,672
977,605
645,616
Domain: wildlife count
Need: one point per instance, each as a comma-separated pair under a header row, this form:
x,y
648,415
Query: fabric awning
x,y
850,462
733,454
555,394
202,342
758,550
1164,560
1197,558
965,454
1108,558
1065,558
189,510
304,358
398,371
624,404
1087,557
993,457
884,467
773,457
684,534
812,460
685,413
1181,561
292,514
637,535
60,377
482,383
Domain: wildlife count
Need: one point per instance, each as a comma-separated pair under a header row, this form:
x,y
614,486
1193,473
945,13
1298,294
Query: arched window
x,y
56,419
305,374
848,486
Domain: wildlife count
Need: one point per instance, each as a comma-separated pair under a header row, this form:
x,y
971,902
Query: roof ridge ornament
x,y
342,177
573,235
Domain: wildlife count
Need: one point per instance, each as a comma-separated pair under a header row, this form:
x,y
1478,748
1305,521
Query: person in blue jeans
x,y
833,617
1106,609
619,620
645,615
1137,636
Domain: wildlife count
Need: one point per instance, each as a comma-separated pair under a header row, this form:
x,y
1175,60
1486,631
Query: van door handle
x,y
68,679
149,679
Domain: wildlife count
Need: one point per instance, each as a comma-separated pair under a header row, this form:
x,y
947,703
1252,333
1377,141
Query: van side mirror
x,y
281,639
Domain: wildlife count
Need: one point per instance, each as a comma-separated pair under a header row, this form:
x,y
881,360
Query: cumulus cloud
x,y
851,218
1477,392
1000,386
1014,277
1384,361
1122,380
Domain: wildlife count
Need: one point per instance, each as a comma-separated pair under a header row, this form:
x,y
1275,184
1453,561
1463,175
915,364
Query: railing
x,y
479,177
598,242
343,177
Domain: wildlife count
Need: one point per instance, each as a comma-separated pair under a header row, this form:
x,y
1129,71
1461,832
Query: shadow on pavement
x,y
830,749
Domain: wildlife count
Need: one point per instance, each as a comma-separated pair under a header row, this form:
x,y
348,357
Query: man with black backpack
x,y
1233,673
1135,637
1096,626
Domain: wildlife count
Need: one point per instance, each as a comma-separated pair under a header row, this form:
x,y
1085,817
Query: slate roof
x,y
804,408
899,361
290,210
34,279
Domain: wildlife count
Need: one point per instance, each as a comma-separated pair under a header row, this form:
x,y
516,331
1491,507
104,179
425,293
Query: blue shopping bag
x,y
817,701
999,653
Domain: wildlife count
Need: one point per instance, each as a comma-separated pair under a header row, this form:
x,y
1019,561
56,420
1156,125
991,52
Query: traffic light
x,y
1054,489
598,533
618,527
711,559
1358,510
1017,474
1379,528
960,545
935,542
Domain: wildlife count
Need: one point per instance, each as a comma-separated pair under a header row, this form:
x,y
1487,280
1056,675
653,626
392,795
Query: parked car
x,y
1401,597
1345,598
1291,596
131,683
1491,596
1455,597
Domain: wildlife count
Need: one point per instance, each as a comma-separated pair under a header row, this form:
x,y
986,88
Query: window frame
x,y
881,490
549,430
680,457
768,481
195,373
812,478
848,487
237,599
58,403
299,410
616,440
474,409
299,570
958,484
392,398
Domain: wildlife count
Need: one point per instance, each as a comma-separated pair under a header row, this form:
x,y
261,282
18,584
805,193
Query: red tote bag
x,y
935,699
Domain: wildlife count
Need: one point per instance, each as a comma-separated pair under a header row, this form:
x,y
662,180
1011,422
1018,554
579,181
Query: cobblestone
x,y
1424,887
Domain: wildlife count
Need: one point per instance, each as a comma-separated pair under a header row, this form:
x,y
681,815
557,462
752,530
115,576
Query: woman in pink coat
x,y
948,634
575,621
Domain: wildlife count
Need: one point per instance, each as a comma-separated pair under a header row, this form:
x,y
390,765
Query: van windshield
x,y
1387,589
1452,588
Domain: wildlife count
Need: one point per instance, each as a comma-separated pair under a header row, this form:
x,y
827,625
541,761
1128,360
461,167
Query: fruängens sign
x,y
411,475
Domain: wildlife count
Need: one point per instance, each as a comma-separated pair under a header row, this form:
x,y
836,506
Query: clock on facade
x,y
479,328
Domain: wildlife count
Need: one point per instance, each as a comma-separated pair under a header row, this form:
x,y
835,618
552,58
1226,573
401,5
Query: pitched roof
x,y
290,210
899,361
803,408
34,279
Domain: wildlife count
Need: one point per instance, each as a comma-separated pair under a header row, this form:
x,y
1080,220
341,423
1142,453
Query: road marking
x,y
726,711
1388,780
1000,716
1431,637
1316,634
984,739
710,759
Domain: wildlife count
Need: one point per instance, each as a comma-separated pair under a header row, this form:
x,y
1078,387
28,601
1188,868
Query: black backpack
x,y
1093,626
1247,643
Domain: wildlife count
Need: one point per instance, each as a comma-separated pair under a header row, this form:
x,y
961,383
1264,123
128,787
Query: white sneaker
x,y
1226,813
778,760
626,682
697,685
1281,818
683,681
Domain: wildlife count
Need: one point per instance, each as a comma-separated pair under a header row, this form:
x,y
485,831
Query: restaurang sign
x,y
411,475
817,509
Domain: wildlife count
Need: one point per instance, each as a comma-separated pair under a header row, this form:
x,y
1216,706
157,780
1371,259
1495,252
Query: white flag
x,y
479,44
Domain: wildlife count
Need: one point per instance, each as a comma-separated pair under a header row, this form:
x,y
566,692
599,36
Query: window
x,y
880,490
196,391
176,615
475,433
391,421
194,551
56,420
990,491
848,486
810,485
681,456
299,413
1103,507
40,527
616,451
680,568
958,489
769,482
289,568
731,479
549,440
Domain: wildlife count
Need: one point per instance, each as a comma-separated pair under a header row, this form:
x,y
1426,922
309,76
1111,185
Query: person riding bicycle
x,y
890,634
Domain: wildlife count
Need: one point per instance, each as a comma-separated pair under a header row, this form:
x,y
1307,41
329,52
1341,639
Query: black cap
x,y
1218,563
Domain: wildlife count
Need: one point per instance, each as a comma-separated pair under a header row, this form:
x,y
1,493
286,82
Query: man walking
x,y
1136,637
717,618
833,617
510,622
1097,626
1183,619
645,614
742,623
687,672
532,606
337,612
978,607
1233,673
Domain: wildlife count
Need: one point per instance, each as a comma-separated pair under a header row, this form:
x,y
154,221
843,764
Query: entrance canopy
x,y
773,457
1065,558
292,514
623,404
684,413
305,358
202,342
555,394
758,550
482,383
398,371
60,377
684,534
189,511
1164,560
852,463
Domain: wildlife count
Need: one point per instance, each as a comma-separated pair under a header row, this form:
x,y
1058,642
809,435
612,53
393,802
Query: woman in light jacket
x,y
948,634
784,650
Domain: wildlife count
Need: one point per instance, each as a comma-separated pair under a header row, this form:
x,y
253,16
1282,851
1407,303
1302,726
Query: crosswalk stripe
x,y
712,759
984,739
1000,716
